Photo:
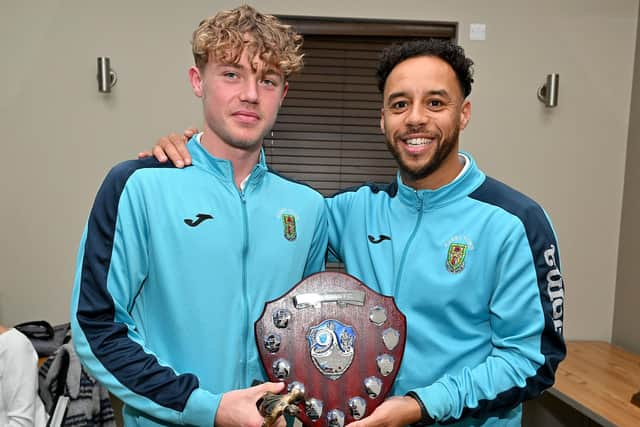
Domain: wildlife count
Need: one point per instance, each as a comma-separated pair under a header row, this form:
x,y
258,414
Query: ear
x,y
284,92
465,114
382,120
195,78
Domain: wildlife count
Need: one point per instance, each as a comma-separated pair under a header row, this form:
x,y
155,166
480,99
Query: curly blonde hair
x,y
224,37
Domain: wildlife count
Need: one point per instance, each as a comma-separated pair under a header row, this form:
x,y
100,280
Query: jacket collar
x,y
469,179
222,168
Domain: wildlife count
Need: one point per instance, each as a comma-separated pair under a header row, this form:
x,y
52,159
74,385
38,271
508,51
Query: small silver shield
x,y
391,338
358,407
335,418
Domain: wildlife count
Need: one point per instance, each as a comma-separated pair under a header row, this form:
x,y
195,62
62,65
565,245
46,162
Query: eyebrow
x,y
266,71
441,92
231,64
271,71
394,95
403,94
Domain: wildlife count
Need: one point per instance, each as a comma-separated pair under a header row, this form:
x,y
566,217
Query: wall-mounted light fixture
x,y
107,78
548,93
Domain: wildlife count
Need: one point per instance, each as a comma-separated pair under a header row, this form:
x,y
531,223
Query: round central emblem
x,y
331,347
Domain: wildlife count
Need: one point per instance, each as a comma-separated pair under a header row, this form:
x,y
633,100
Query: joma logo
x,y
555,287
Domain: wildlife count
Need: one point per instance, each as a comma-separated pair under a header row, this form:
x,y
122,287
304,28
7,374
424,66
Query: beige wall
x,y
60,135
626,330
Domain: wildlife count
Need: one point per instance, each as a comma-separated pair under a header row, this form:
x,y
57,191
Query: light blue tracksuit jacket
x,y
174,267
475,268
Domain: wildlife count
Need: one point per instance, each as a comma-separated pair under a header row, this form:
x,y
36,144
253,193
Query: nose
x,y
249,91
417,115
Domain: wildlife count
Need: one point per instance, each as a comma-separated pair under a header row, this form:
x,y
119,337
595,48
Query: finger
x,y
179,143
175,139
184,153
174,155
360,423
189,132
158,153
272,387
144,154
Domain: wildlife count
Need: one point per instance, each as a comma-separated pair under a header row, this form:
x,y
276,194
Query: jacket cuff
x,y
426,420
201,408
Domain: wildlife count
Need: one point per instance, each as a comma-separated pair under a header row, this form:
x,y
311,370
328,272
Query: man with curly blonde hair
x,y
176,345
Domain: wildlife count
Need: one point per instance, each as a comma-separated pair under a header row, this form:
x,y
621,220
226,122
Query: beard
x,y
442,151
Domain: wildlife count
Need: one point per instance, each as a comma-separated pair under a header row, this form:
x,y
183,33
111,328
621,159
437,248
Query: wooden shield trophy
x,y
337,345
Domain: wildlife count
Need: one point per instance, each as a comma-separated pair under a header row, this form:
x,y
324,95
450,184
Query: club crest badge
x,y
331,347
456,257
289,223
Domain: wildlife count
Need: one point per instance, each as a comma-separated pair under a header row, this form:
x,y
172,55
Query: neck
x,y
243,160
446,173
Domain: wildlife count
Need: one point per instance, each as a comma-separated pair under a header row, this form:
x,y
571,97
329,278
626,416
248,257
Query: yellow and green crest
x,y
289,223
455,257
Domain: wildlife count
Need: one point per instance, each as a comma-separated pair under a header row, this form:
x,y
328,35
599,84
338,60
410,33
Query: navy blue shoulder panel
x,y
108,340
391,188
547,264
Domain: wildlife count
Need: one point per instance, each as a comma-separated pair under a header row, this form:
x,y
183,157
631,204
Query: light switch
x,y
477,32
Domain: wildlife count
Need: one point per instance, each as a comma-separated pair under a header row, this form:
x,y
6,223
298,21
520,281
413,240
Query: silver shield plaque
x,y
337,337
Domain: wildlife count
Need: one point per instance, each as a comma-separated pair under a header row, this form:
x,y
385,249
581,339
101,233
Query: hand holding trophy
x,y
272,405
336,343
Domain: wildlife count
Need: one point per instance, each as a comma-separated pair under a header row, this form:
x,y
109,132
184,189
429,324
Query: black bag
x,y
46,339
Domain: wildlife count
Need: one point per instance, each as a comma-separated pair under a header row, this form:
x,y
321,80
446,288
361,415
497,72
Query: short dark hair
x,y
449,52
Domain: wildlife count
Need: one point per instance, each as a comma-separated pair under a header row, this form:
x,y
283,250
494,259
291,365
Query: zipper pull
x,y
419,201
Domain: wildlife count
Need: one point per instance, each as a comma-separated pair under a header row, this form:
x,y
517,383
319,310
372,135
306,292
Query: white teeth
x,y
417,141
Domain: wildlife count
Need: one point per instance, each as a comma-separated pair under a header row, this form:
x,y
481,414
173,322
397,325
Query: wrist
x,y
424,418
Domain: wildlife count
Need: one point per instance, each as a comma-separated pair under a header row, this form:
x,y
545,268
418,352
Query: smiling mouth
x,y
416,142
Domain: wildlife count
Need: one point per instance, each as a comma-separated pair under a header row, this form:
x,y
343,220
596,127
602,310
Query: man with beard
x,y
472,263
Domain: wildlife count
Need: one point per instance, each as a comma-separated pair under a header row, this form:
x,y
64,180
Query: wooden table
x,y
599,379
